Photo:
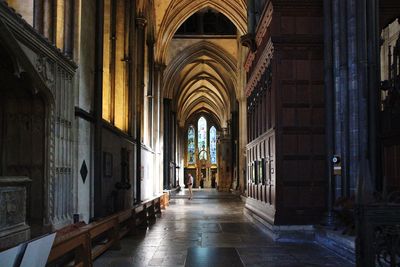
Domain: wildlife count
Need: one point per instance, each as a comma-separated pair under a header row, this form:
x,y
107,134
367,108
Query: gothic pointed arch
x,y
178,11
201,76
24,67
194,104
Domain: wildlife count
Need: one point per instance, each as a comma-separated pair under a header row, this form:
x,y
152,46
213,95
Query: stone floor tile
x,y
210,224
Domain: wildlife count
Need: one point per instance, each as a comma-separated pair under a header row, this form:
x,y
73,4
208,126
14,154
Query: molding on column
x,y
141,22
249,41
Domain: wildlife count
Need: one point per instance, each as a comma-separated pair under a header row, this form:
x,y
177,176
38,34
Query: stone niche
x,y
13,226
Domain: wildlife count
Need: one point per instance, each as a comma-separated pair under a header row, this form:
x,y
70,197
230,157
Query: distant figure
x,y
189,183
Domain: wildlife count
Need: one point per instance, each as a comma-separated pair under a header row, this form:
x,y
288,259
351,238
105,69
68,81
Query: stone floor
x,y
211,232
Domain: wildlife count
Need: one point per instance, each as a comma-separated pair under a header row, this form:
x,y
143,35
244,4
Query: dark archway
x,y
22,140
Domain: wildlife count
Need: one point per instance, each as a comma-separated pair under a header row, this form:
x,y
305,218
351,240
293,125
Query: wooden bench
x,y
164,200
85,244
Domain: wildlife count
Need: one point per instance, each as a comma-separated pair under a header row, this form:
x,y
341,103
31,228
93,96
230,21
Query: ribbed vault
x,y
202,78
172,15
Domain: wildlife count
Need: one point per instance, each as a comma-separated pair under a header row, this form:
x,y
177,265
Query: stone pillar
x,y
151,91
140,53
48,19
98,110
38,16
248,39
242,117
329,108
251,18
69,12
225,167
157,136
242,143
354,79
166,137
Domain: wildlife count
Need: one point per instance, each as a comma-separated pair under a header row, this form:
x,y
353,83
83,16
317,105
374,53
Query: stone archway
x,y
22,153
202,74
200,78
178,11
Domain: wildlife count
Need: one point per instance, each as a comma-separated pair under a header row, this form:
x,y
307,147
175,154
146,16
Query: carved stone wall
x,y
62,184
48,73
57,74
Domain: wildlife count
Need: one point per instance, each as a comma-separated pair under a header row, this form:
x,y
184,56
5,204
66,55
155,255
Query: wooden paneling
x,y
391,167
286,112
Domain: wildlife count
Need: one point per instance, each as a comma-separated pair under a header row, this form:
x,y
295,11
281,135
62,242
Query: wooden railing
x,y
84,244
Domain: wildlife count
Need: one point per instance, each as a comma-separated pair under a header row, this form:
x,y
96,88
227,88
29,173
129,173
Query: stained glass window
x,y
213,145
191,145
202,138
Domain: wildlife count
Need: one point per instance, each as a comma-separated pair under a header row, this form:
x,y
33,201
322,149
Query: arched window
x,y
191,145
202,138
213,145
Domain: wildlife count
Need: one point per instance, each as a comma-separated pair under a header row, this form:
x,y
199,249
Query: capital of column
x,y
249,41
141,22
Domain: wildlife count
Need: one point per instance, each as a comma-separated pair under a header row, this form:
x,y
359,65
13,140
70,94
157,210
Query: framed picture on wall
x,y
107,164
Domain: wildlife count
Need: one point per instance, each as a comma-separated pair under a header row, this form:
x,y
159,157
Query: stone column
x,y
329,108
242,119
354,79
166,137
248,39
242,140
140,53
157,82
224,168
38,15
336,90
69,12
48,19
151,90
157,104
98,109
251,18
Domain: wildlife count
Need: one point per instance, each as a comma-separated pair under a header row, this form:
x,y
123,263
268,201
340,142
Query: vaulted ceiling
x,y
202,73
170,14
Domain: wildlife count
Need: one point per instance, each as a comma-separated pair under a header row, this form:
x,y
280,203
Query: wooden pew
x,y
77,242
88,242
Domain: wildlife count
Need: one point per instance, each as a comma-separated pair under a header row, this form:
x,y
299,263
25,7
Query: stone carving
x,y
12,200
45,69
13,193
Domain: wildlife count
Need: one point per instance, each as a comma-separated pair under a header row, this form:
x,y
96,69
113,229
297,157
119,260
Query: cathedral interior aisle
x,y
212,232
